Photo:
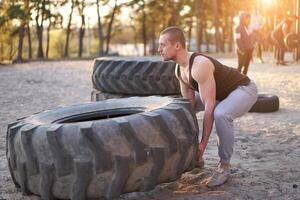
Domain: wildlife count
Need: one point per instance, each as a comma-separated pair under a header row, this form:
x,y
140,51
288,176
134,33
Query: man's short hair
x,y
175,35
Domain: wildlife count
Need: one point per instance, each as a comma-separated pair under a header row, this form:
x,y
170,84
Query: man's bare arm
x,y
207,91
188,93
202,72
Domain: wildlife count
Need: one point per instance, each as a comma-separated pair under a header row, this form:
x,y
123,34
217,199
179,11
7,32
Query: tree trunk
x,y
230,43
222,40
199,37
42,30
82,29
40,42
26,28
225,34
29,42
66,52
100,32
110,27
1,51
11,50
22,30
48,39
144,29
206,38
81,35
39,29
216,24
199,25
190,35
153,50
20,46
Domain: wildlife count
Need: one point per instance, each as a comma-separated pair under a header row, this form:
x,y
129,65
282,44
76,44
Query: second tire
x,y
135,77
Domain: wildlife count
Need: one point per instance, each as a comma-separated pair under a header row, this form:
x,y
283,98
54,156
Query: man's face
x,y
166,49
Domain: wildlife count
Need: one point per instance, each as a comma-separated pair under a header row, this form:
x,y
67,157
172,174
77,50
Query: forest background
x,y
69,29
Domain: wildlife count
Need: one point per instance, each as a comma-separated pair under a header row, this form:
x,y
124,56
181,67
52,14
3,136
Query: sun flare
x,y
268,3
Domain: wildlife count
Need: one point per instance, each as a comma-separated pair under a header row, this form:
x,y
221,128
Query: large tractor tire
x,y
102,149
265,103
135,77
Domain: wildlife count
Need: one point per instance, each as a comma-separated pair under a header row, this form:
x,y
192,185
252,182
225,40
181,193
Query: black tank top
x,y
227,79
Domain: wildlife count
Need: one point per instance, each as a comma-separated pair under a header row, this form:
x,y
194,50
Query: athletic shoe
x,y
219,177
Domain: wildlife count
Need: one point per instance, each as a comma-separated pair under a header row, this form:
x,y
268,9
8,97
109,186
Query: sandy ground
x,y
266,160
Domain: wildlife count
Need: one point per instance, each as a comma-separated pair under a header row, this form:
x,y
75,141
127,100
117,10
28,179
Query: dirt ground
x,y
266,160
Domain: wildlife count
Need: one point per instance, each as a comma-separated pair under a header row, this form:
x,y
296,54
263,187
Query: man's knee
x,y
220,115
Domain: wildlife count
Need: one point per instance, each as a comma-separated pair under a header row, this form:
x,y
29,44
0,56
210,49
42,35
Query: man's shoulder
x,y
201,59
202,63
202,69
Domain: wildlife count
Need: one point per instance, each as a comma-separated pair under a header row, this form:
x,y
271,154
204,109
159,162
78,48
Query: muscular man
x,y
225,93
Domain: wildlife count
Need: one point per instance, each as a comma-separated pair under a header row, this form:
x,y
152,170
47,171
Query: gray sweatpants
x,y
236,104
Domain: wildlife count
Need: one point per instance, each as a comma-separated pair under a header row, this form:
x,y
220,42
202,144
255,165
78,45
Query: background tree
x,y
139,7
41,8
81,5
68,31
206,23
28,9
115,10
55,20
100,29
16,12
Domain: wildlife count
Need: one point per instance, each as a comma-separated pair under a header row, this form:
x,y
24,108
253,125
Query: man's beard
x,y
173,58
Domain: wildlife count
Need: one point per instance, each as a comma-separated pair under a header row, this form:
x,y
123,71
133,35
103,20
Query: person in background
x,y
244,43
256,30
278,34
